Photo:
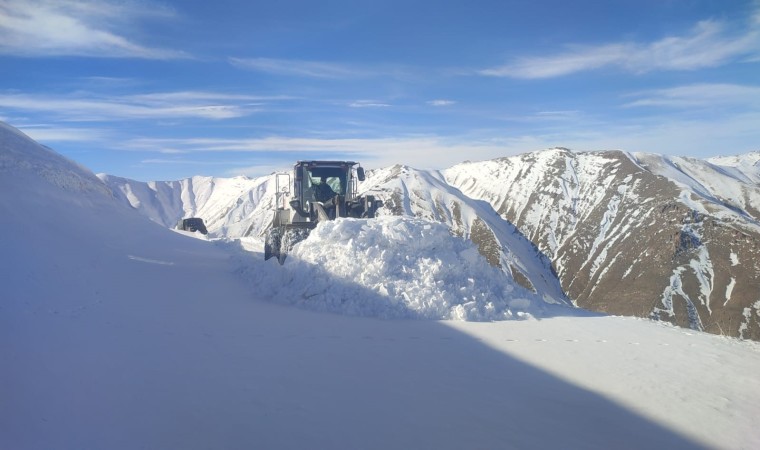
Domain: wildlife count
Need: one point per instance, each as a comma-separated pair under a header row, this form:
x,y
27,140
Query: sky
x,y
163,90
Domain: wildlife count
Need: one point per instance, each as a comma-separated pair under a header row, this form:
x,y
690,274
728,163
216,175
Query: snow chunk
x,y
734,259
397,267
729,290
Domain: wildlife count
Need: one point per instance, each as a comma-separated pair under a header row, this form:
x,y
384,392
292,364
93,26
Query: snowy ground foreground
x,y
117,333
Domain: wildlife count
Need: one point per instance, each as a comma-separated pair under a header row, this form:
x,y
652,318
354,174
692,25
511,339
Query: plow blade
x,y
280,240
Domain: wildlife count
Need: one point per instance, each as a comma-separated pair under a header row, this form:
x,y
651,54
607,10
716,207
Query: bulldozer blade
x,y
280,240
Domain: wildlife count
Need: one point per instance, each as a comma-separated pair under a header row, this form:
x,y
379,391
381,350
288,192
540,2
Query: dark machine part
x,y
192,224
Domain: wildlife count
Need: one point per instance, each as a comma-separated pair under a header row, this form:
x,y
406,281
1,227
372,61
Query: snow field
x,y
116,333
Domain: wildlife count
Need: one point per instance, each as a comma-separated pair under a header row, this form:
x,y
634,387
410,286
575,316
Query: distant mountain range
x,y
670,238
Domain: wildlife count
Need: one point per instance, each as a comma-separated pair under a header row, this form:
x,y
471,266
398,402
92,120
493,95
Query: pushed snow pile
x,y
396,267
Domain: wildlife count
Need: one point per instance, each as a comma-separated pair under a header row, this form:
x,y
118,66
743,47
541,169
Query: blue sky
x,y
161,90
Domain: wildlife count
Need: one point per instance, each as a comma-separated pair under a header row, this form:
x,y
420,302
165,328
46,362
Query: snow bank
x,y
395,267
19,155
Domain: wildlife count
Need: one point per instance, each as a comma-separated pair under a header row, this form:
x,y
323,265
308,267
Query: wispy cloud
x,y
326,70
700,137
368,104
299,68
703,94
416,151
255,156
50,133
564,114
709,43
168,105
441,102
184,161
95,28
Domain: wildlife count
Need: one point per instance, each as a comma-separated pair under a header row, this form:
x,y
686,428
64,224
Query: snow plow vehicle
x,y
318,191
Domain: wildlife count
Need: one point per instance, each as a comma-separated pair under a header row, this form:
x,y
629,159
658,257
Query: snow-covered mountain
x,y
118,333
744,167
636,234
676,239
233,207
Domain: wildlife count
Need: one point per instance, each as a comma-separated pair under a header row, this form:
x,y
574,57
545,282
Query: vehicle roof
x,y
326,163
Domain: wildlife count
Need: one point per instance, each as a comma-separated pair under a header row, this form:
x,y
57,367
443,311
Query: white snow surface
x,y
116,333
395,267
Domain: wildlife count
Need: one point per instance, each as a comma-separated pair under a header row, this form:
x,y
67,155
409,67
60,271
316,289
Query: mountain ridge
x,y
630,233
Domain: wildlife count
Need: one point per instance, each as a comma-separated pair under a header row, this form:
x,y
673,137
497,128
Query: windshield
x,y
334,177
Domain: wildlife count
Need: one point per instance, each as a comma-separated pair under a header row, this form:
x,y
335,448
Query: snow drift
x,y
396,267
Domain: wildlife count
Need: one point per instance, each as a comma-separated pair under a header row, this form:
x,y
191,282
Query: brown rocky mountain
x,y
675,239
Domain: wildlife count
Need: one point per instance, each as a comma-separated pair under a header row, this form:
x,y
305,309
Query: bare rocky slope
x,y
676,239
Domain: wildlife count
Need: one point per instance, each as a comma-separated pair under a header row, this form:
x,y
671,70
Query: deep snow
x,y
118,333
396,267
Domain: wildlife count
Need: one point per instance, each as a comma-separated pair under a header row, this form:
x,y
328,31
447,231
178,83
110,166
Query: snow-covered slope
x,y
234,207
727,186
637,234
744,167
118,333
